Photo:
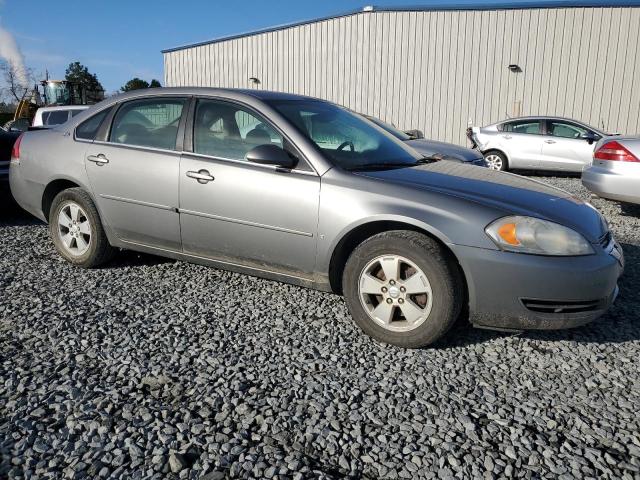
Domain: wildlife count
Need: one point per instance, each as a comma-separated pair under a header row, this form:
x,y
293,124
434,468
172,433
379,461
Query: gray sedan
x,y
615,171
537,143
433,148
303,191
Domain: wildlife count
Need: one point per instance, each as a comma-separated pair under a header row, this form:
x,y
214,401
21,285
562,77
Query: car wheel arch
x,y
356,234
57,185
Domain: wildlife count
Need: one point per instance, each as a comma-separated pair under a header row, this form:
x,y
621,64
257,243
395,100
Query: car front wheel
x,y
496,160
76,230
403,288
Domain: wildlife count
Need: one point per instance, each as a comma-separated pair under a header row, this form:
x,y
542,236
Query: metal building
x,y
439,68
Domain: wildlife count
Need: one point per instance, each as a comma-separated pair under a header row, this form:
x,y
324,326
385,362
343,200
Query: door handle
x,y
202,176
506,136
99,159
549,141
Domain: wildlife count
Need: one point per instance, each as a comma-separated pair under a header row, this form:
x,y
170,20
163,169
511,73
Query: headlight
x,y
536,236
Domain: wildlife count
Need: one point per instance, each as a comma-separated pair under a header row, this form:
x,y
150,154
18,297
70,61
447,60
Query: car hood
x,y
513,194
448,150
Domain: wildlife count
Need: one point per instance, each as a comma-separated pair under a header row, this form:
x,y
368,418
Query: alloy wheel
x,y
74,229
395,293
494,162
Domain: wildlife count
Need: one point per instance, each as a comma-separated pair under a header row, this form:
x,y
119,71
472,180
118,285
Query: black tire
x,y
504,163
435,262
99,250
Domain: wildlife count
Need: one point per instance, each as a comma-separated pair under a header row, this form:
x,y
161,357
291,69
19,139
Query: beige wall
x,y
436,70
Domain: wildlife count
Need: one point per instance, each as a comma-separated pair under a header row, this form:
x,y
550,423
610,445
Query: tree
x,y
78,73
135,84
18,80
155,84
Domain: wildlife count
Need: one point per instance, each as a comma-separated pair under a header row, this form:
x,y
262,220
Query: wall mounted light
x,y
514,68
254,80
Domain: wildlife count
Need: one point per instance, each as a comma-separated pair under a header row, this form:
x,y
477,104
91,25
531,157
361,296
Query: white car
x,y
615,172
53,116
536,143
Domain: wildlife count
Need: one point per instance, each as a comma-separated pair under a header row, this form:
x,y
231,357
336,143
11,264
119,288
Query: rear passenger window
x,y
56,117
87,130
531,127
148,123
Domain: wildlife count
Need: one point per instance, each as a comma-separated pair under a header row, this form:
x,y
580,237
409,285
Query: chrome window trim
x,y
252,164
137,147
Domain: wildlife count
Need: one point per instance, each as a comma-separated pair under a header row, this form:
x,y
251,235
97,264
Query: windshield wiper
x,y
428,159
377,166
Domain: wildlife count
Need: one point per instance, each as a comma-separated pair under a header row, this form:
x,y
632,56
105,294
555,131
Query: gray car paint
x,y
429,148
447,151
290,225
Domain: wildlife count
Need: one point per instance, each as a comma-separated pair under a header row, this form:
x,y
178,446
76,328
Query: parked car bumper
x,y
611,184
515,291
28,194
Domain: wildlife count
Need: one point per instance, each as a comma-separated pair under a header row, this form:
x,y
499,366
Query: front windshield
x,y
390,128
348,140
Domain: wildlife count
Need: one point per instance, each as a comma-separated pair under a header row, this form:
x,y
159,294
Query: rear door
x,y
564,148
522,142
134,171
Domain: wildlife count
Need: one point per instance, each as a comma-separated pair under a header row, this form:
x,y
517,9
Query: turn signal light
x,y
614,152
508,233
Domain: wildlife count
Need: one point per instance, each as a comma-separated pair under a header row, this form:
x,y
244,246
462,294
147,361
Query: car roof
x,y
548,117
540,117
63,107
236,92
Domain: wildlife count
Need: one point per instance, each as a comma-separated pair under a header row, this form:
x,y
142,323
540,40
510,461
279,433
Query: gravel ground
x,y
150,368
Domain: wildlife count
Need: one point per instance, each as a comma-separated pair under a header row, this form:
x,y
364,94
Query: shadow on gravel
x,y
545,173
129,258
630,210
11,214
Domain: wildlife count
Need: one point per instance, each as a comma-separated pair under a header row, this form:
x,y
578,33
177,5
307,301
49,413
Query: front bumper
x,y
613,185
514,291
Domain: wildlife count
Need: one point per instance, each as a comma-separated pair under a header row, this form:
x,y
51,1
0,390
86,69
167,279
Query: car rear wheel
x,y
496,160
403,288
76,230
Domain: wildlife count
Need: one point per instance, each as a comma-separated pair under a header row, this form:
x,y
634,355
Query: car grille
x,y
549,306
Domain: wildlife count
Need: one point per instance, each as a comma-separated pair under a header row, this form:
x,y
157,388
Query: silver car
x,y
615,171
303,191
536,143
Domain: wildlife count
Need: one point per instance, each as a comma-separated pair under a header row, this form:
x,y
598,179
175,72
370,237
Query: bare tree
x,y
17,83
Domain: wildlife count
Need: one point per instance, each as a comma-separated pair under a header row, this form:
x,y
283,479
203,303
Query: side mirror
x,y
590,137
415,134
269,154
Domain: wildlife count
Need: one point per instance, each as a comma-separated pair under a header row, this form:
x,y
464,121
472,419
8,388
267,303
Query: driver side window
x,y
565,130
228,131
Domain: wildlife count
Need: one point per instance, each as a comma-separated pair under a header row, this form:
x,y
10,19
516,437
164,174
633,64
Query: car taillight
x,y
615,152
15,152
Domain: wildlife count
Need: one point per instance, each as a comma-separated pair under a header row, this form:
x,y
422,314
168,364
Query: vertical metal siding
x,y
437,70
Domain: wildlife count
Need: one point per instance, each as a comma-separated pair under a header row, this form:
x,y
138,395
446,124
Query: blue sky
x,y
119,39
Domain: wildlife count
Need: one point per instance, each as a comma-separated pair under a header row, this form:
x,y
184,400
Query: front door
x,y
564,148
239,212
134,174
